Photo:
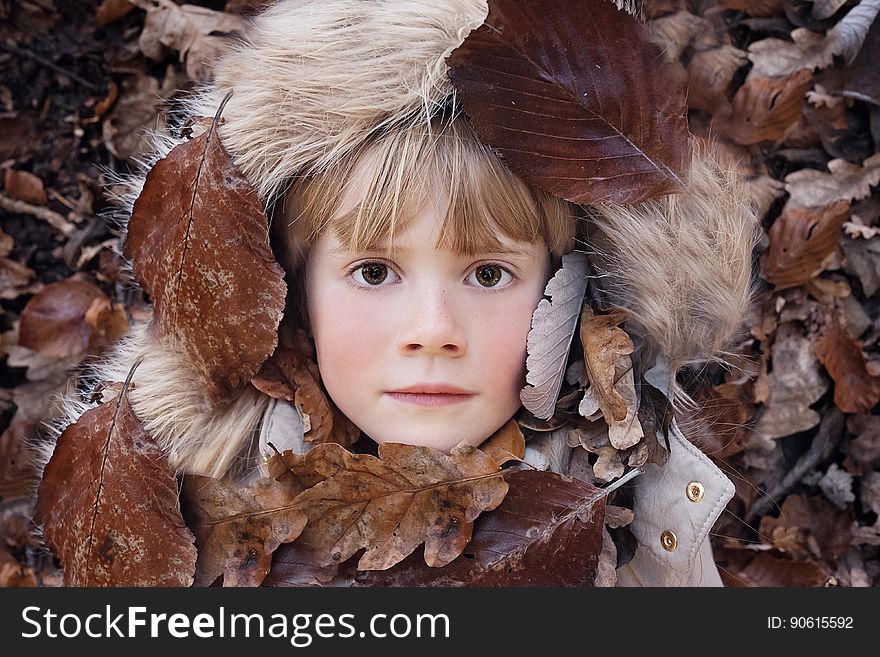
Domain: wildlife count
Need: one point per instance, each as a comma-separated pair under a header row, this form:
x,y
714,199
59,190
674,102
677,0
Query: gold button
x,y
668,540
695,491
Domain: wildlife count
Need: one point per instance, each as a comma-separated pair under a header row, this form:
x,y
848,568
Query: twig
x,y
50,64
824,444
54,219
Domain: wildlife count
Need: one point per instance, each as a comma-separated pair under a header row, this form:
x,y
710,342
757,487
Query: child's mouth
x,y
429,399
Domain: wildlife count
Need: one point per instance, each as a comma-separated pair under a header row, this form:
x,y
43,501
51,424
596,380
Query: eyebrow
x,y
502,251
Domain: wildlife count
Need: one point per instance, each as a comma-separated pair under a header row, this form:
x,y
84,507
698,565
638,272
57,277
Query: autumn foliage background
x,y
781,84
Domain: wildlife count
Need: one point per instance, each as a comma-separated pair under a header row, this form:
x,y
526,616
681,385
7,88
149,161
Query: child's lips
x,y
430,395
429,399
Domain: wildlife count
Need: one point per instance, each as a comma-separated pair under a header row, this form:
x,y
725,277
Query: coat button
x,y
668,540
695,491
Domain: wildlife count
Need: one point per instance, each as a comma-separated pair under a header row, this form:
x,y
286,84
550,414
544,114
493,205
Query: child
x,y
415,259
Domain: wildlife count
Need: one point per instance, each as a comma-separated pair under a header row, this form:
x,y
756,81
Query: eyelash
x,y
491,290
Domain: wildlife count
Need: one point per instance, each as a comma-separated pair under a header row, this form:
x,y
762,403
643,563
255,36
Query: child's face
x,y
425,318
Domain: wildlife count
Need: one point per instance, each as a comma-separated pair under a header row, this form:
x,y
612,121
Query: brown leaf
x,y
24,186
18,476
109,507
199,245
111,10
719,426
801,239
764,108
809,528
15,279
392,504
845,181
107,322
710,72
582,107
603,341
757,8
238,527
855,390
199,34
767,570
54,322
292,376
505,444
546,532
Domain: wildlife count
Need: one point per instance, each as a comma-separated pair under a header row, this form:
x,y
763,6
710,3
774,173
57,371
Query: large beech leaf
x,y
199,244
109,507
553,326
576,99
238,527
392,504
546,532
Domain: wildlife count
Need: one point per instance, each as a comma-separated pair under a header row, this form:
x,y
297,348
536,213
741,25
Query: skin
x,y
424,315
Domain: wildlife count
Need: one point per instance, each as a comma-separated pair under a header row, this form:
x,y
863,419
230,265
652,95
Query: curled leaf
x,y
506,444
238,527
604,341
392,504
576,99
198,240
109,507
553,326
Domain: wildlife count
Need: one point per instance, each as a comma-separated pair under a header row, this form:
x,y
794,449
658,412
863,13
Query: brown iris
x,y
374,273
489,275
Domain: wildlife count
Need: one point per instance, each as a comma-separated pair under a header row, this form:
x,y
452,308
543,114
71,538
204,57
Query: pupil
x,y
375,274
489,276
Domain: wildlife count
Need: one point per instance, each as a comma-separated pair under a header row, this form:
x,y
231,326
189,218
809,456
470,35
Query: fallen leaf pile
x,y
126,527
789,87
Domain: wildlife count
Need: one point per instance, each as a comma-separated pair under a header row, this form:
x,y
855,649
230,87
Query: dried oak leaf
x,y
238,527
390,505
109,507
583,107
199,245
69,317
553,326
505,444
710,73
846,181
855,390
604,341
199,34
546,532
809,50
809,528
801,239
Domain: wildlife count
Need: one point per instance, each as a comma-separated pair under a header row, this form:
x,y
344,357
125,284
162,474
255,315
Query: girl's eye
x,y
491,276
372,274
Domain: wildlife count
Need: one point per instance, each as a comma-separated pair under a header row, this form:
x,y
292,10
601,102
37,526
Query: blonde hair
x,y
409,169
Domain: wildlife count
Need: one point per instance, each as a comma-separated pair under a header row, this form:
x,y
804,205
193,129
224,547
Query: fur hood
x,y
310,83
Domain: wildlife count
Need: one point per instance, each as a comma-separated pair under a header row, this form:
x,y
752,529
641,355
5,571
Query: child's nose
x,y
433,326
